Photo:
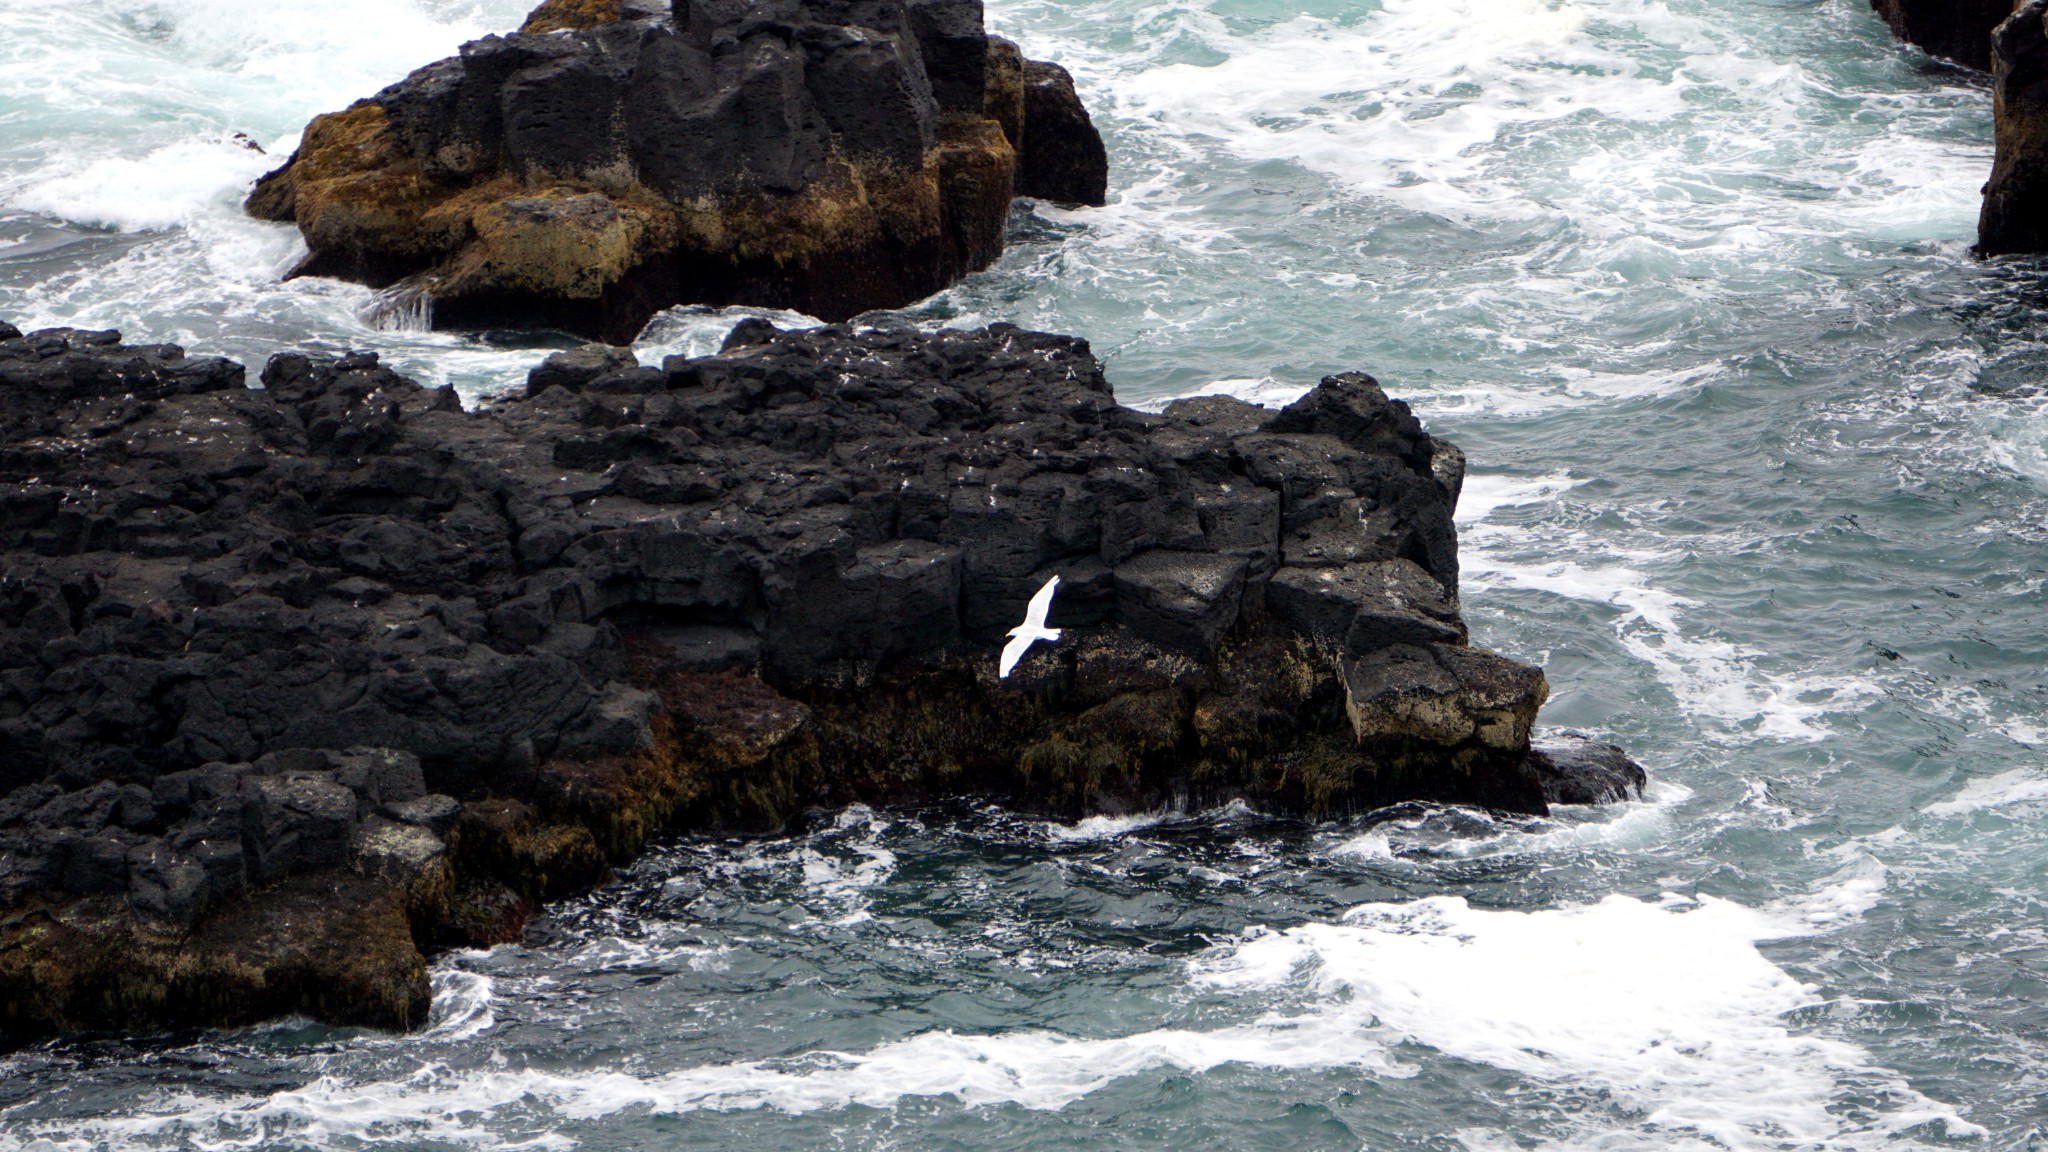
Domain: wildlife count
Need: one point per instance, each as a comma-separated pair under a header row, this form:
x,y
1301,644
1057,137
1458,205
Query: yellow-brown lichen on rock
x,y
977,177
366,210
1003,95
335,946
571,15
558,241
539,856
2014,215
1444,696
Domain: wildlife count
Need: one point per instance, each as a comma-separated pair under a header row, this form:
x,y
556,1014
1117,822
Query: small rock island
x,y
301,682
617,157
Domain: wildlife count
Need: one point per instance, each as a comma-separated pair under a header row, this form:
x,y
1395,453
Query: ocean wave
x,y
1666,1007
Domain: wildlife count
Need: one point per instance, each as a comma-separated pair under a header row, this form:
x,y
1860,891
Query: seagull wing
x,y
1013,652
1031,630
1034,616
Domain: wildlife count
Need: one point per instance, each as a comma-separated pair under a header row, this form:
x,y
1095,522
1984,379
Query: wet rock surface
x,y
1955,30
339,655
1576,769
2014,218
616,157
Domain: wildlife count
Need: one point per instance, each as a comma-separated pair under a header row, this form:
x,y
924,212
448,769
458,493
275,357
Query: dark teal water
x,y
1759,462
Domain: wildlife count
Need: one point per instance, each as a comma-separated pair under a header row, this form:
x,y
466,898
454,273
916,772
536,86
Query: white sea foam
x,y
1665,1007
1717,679
186,74
462,1003
1263,391
1395,104
1629,825
271,62
161,190
1103,827
1485,493
1854,888
838,878
695,330
669,945
1562,386
136,133
1713,678
837,868
2018,786
2024,732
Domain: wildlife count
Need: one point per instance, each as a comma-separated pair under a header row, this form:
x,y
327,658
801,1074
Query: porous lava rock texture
x,y
1955,30
2014,217
302,681
617,157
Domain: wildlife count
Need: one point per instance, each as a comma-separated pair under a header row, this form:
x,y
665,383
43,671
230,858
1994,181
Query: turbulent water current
x,y
1761,476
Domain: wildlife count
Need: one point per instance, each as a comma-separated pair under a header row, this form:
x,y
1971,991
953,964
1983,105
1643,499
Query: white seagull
x,y
1032,630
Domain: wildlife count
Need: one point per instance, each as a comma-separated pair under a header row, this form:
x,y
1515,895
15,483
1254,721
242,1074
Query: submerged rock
x,y
1576,769
335,659
1957,30
616,157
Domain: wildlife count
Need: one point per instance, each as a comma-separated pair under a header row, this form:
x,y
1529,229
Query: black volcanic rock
x,y
2014,217
339,655
613,159
1062,157
1957,30
2006,38
1576,769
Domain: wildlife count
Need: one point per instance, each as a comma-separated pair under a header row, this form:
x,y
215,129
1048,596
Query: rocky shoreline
x,y
617,157
299,683
2016,195
2008,39
1955,30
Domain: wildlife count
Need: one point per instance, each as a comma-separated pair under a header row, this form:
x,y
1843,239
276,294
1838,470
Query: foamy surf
x,y
1665,1005
159,191
462,1003
1484,493
2005,789
1430,835
1690,327
1722,680
1396,103
1104,827
1664,1008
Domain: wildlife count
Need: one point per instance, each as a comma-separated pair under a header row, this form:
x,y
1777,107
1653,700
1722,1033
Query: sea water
x,y
1759,461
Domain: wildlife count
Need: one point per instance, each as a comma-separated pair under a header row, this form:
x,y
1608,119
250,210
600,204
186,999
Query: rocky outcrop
x,y
2014,217
1956,30
616,157
1575,769
300,681
1060,155
2005,37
